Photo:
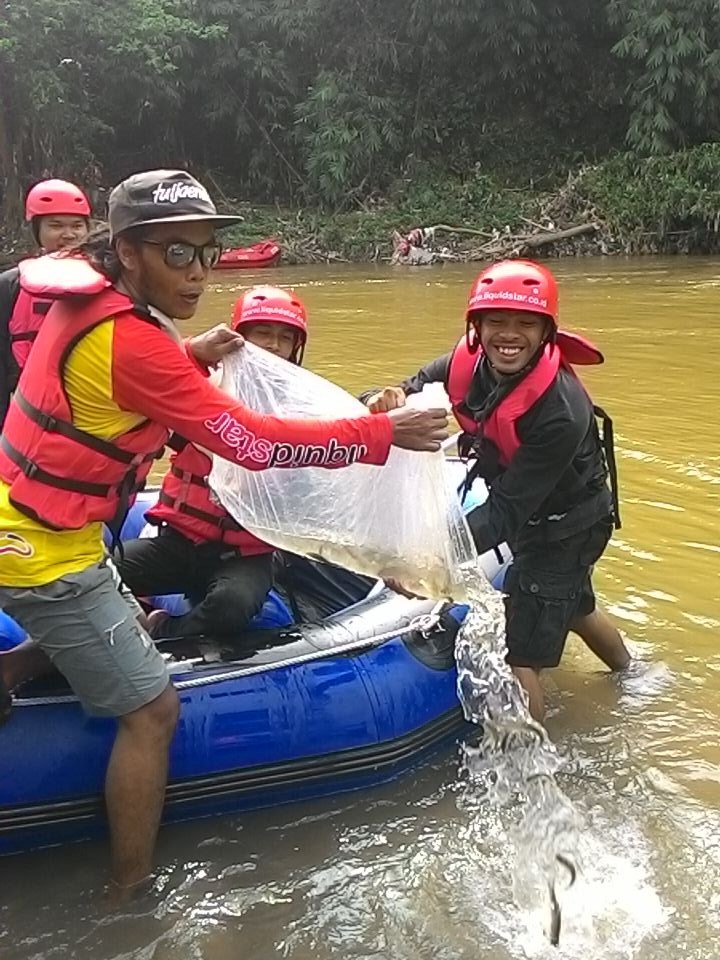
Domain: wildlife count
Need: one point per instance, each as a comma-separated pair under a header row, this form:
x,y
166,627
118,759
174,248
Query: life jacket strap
x,y
608,442
225,523
188,477
28,335
177,443
33,472
127,489
66,429
471,475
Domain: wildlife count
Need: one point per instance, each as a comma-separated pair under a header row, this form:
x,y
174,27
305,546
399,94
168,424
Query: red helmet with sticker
x,y
56,197
272,305
513,285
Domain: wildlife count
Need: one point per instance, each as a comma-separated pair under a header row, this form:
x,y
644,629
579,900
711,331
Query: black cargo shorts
x,y
546,588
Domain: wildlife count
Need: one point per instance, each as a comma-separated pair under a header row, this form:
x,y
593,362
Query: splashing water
x,y
514,757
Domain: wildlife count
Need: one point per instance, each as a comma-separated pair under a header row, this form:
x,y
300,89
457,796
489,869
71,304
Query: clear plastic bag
x,y
401,521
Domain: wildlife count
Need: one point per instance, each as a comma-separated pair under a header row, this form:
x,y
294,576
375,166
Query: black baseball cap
x,y
161,196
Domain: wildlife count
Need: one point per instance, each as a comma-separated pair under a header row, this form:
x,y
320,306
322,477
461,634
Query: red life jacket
x,y
501,425
42,279
185,504
25,322
60,475
60,275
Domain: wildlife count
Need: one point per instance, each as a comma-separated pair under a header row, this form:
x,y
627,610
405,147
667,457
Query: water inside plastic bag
x,y
401,521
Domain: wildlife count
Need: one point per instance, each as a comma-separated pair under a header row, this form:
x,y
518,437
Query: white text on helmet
x,y
488,296
265,310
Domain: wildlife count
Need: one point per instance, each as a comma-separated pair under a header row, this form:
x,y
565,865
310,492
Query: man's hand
x,y
422,430
390,398
210,347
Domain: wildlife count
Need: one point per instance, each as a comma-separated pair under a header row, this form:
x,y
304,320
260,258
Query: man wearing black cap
x,y
108,379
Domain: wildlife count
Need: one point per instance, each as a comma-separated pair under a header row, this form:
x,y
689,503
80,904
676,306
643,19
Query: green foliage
x,y
430,198
331,102
645,204
658,196
344,131
75,74
675,82
476,199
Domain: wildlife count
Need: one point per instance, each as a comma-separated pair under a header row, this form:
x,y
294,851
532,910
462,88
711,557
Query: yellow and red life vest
x,y
62,476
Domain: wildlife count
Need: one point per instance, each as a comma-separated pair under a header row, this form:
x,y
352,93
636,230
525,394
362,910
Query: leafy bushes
x,y
659,197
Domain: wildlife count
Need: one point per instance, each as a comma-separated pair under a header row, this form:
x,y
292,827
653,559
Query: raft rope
x,y
425,624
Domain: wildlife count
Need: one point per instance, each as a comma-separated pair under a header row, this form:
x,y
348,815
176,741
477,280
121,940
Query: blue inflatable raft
x,y
287,712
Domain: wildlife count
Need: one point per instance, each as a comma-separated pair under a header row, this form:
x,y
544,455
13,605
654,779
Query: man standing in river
x,y
529,428
107,381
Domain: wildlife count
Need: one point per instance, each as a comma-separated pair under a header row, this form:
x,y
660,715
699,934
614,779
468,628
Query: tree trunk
x,y
514,246
12,192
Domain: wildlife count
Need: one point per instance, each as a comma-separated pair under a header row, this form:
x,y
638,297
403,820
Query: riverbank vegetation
x,y
334,122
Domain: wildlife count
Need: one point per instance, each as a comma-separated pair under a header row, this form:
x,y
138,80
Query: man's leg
x,y
590,623
24,661
315,588
235,590
135,786
529,680
158,565
27,660
600,634
539,607
91,635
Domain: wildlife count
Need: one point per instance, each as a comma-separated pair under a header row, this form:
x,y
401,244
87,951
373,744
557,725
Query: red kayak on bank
x,y
263,254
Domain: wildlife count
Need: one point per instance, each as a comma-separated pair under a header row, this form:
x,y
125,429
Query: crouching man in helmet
x,y
530,431
59,216
200,550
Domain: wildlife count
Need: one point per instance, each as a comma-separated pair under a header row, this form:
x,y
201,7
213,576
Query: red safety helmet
x,y
56,197
273,305
512,285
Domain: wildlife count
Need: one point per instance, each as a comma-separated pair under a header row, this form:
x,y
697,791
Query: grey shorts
x,y
88,629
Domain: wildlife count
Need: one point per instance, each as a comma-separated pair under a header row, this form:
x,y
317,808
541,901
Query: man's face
x,y
56,232
277,338
510,338
176,290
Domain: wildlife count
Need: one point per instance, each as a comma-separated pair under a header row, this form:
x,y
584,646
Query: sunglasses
x,y
179,254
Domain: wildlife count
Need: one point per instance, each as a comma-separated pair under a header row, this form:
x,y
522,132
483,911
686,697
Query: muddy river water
x,y
421,868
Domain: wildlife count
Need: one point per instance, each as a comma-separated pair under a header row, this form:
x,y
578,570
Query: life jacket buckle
x,y
46,421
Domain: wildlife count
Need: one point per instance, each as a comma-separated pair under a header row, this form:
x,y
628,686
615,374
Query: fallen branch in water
x,y
515,246
415,248
445,228
540,239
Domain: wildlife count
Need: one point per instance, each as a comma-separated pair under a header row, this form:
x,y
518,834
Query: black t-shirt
x,y
9,371
559,465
